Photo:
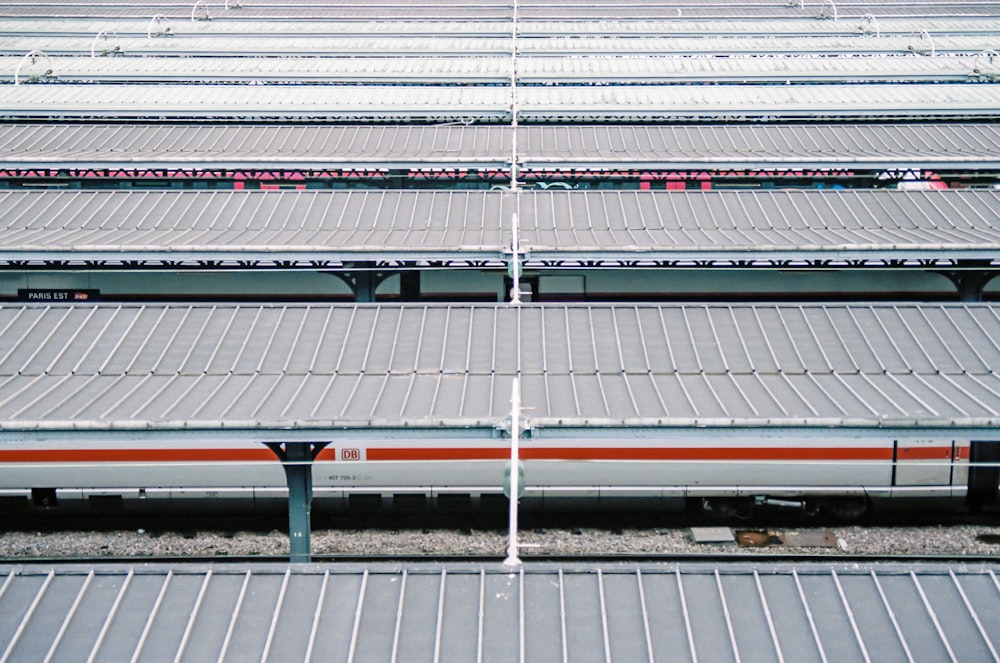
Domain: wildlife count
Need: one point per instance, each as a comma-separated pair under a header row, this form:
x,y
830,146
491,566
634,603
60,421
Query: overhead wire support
x,y
513,102
513,547
515,265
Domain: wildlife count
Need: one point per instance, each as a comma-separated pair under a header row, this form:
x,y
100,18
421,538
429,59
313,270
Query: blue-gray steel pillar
x,y
971,281
365,284
363,280
297,459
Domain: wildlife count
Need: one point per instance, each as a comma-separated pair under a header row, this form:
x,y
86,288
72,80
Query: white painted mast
x,y
513,547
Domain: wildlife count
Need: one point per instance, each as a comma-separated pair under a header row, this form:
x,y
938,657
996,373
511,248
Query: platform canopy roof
x,y
293,228
310,45
492,10
460,611
389,25
324,229
496,70
881,146
728,227
266,368
385,103
888,147
274,146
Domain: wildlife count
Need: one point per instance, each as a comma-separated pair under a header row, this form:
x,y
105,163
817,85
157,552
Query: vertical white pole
x,y
513,551
513,101
515,275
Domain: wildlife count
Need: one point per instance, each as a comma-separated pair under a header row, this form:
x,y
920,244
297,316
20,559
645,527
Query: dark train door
x,y
984,473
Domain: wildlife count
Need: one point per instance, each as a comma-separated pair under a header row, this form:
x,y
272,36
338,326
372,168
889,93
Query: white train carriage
x,y
723,469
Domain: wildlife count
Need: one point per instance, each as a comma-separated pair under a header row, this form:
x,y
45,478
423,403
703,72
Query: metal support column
x,y
970,283
297,459
363,279
364,287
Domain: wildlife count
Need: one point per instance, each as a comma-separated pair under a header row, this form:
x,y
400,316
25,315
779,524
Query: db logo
x,y
350,454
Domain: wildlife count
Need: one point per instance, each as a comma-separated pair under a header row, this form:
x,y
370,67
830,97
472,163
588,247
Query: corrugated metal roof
x,y
309,45
544,104
496,70
750,45
387,25
247,12
626,25
671,10
277,146
421,10
792,223
354,225
869,146
305,45
386,70
309,226
317,102
384,26
761,102
662,69
267,367
466,612
882,146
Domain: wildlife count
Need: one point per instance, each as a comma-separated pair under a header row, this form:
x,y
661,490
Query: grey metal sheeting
x,y
266,368
347,102
288,146
390,27
794,224
496,70
255,225
554,225
490,104
305,45
249,102
661,69
764,102
383,27
882,146
466,612
251,10
315,46
392,70
867,146
751,46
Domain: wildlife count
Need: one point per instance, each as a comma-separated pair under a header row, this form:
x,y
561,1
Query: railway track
x,y
544,537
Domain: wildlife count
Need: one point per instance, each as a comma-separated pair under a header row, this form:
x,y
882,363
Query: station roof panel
x,y
334,102
463,611
459,46
306,226
763,102
389,26
645,224
342,225
355,71
560,147
158,366
495,70
257,146
547,10
885,146
384,103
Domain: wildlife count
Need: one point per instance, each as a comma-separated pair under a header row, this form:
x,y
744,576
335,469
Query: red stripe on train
x,y
135,455
457,453
637,453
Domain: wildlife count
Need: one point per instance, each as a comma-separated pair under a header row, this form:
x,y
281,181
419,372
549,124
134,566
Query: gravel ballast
x,y
952,540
